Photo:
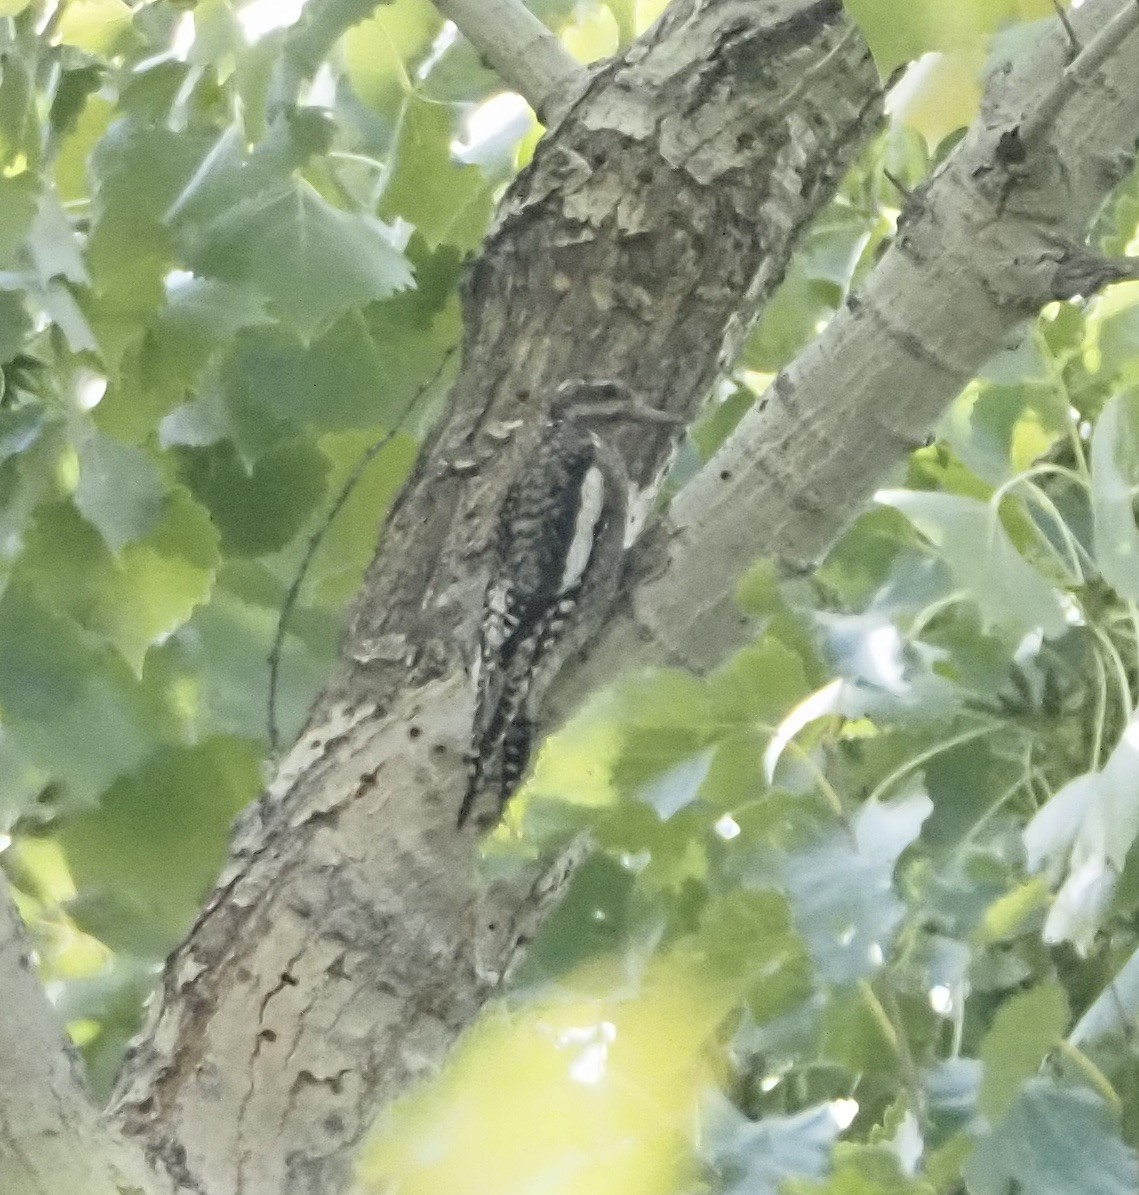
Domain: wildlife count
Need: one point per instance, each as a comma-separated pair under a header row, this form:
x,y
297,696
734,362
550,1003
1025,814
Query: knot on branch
x,y
1078,270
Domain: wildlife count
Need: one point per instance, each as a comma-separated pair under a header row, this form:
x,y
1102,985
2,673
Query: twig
x,y
1073,40
521,50
897,184
317,538
1092,56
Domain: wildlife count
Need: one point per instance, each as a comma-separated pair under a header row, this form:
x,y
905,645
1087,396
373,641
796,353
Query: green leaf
x,y
139,171
310,260
863,1170
119,490
677,787
310,41
1023,1033
350,542
200,318
94,25
19,430
898,33
18,206
15,323
44,661
760,684
258,511
376,50
222,656
1054,1141
1115,475
273,384
136,598
756,1158
19,128
52,243
1117,332
591,920
970,536
748,937
71,717
842,891
445,200
152,848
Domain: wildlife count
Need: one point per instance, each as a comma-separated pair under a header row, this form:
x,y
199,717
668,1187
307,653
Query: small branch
x,y
523,52
1062,16
51,1138
1080,69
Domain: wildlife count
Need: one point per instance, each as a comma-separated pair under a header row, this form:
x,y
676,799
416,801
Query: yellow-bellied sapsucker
x,y
558,554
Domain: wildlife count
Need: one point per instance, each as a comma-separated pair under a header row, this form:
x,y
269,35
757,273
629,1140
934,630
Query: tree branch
x,y
996,235
350,940
51,1139
524,53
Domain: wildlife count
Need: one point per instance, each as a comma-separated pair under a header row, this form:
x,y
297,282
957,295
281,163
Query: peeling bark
x,y
350,940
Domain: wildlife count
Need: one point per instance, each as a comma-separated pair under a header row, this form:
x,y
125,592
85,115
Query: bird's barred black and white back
x,y
558,556
560,540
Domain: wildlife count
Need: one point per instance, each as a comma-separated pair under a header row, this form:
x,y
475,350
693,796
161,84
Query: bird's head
x,y
604,400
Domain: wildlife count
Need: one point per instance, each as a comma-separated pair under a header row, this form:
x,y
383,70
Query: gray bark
x,y
350,941
51,1138
998,233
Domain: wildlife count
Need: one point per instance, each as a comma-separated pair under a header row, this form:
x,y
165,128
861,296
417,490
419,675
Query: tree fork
x,y
349,940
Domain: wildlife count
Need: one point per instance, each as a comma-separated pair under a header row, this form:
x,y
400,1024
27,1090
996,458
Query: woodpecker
x,y
558,553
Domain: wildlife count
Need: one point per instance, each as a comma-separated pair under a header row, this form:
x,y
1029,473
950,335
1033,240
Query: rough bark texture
x,y
51,1140
349,940
991,239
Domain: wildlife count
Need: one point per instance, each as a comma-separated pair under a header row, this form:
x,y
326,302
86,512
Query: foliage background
x,y
857,897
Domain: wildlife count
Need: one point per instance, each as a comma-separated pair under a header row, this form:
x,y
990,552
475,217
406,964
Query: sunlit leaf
x,y
93,25
899,33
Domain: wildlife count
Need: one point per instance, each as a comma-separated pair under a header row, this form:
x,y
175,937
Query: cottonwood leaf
x,y
312,261
119,491
158,837
970,537
756,1157
842,891
1022,1034
1086,830
1115,474
1054,1141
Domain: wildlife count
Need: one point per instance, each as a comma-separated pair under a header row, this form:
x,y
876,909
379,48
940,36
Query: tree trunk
x,y
349,941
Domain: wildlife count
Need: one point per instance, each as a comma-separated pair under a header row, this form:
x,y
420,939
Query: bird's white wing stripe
x,y
589,511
